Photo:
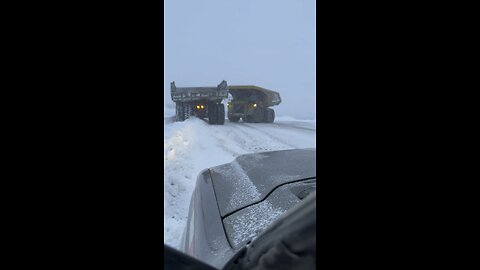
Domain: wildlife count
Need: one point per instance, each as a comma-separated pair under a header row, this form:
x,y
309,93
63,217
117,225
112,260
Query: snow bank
x,y
189,147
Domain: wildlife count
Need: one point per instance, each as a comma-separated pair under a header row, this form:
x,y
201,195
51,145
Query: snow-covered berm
x,y
193,145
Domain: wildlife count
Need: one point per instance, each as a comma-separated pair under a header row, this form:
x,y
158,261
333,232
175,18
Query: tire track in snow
x,y
236,140
269,135
224,144
238,143
259,141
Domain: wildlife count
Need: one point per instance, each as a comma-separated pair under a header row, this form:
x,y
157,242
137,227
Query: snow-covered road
x,y
193,145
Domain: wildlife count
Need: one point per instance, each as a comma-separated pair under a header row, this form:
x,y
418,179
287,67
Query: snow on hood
x,y
251,177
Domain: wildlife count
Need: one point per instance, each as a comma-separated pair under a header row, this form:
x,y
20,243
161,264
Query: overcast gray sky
x,y
268,43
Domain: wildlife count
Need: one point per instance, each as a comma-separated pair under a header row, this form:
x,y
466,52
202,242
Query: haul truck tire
x,y
179,114
220,114
187,110
269,115
212,113
257,116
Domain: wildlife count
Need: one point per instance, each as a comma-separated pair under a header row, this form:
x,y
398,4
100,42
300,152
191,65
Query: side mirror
x,y
177,260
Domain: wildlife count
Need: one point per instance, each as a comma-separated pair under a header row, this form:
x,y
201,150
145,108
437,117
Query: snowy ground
x,y
193,145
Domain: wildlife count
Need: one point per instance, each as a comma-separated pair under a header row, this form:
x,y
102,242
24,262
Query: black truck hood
x,y
251,177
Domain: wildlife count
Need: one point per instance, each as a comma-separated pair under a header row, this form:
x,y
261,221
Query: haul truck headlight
x,y
201,106
254,105
198,107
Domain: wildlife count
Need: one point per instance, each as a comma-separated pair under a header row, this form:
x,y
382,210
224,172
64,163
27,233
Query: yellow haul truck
x,y
251,104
